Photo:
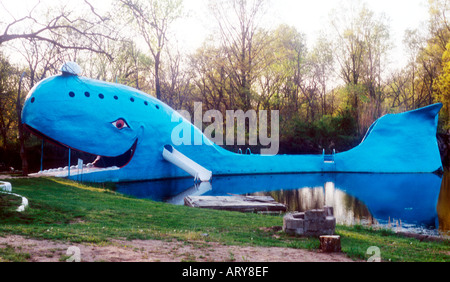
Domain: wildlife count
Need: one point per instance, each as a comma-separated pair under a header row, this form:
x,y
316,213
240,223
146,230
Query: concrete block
x,y
310,223
298,215
329,211
314,214
330,222
293,221
289,231
300,231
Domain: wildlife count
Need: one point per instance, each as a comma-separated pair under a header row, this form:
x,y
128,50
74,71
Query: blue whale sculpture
x,y
130,132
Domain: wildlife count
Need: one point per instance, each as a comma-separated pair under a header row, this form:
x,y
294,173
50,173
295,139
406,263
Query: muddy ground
x,y
160,251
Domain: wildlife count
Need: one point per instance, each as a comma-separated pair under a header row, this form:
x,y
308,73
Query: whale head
x,y
91,116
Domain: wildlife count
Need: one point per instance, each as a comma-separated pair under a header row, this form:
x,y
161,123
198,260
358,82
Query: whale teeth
x,y
63,171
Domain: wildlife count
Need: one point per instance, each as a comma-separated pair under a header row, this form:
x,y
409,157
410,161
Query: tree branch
x,y
59,25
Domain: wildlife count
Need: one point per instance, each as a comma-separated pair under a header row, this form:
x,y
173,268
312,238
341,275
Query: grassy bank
x,y
64,210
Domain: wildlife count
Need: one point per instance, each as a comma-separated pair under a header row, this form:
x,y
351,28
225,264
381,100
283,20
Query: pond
x,y
418,203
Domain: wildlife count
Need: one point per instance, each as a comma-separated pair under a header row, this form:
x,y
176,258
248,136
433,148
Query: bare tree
x,y
413,42
177,81
321,60
208,66
153,19
62,27
362,43
239,25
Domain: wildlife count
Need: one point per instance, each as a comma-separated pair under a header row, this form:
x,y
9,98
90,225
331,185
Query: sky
x,y
309,17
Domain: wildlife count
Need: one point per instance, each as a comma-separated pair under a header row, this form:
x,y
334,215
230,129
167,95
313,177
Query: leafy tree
x,y
281,81
442,88
8,90
211,79
327,133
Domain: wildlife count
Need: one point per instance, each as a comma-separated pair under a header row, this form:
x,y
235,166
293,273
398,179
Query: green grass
x,y
356,240
64,210
8,204
10,254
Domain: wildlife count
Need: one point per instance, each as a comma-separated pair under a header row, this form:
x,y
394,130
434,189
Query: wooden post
x,y
330,243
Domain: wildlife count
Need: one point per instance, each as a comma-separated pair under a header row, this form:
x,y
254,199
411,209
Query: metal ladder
x,y
329,164
328,158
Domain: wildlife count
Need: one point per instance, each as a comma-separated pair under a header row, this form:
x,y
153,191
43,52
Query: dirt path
x,y
160,251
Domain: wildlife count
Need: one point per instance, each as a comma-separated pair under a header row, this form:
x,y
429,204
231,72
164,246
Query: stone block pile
x,y
310,223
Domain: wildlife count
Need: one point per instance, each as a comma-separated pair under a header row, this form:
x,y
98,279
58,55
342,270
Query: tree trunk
x,y
157,81
330,243
23,155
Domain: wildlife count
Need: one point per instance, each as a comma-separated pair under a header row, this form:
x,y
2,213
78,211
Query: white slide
x,y
173,156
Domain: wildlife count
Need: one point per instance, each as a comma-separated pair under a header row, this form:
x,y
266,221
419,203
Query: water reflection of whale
x,y
347,209
411,198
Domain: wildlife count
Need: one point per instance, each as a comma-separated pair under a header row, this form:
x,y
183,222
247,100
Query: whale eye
x,y
120,123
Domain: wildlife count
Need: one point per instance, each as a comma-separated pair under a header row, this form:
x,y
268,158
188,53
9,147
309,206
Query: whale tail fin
x,y
404,142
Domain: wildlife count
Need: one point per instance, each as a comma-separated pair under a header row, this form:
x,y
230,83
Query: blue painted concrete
x,y
110,120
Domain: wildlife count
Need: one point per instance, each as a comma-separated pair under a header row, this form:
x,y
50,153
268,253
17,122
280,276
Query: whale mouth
x,y
119,161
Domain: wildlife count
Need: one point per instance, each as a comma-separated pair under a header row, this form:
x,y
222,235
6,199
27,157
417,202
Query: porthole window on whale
x,y
157,107
87,94
146,103
32,99
115,97
132,99
71,94
101,96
